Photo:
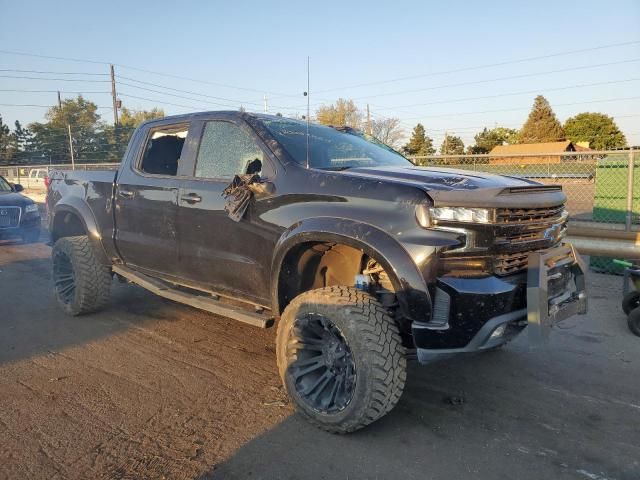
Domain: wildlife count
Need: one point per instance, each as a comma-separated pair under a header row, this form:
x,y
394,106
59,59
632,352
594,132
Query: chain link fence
x,y
602,187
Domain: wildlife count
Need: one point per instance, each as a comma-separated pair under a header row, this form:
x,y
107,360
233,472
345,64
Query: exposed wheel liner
x,y
375,343
92,280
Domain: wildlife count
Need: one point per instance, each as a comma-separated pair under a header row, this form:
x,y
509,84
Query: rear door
x,y
146,199
215,251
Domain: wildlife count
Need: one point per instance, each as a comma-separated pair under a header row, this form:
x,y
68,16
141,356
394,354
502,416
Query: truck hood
x,y
13,199
464,188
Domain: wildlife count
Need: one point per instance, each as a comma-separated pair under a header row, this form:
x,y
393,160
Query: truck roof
x,y
210,113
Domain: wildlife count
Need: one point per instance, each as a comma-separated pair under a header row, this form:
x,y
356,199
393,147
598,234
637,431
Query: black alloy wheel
x,y
64,278
321,364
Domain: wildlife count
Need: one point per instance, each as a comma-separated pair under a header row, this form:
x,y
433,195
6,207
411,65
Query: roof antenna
x,y
306,94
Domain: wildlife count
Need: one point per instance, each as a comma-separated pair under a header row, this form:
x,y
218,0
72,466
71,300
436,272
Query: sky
x,y
453,66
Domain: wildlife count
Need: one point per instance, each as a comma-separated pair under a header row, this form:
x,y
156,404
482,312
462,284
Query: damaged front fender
x,y
410,287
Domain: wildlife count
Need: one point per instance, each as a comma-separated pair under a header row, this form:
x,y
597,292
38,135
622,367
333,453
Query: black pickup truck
x,y
362,258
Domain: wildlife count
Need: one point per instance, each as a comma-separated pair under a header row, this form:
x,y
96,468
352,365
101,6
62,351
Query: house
x,y
535,153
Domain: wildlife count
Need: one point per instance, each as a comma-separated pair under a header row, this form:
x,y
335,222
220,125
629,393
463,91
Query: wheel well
x,y
67,224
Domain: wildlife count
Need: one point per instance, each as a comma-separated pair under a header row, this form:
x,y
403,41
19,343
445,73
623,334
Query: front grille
x,y
9,217
521,216
508,263
520,231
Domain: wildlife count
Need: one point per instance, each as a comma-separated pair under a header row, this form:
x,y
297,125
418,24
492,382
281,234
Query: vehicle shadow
x,y
31,323
503,414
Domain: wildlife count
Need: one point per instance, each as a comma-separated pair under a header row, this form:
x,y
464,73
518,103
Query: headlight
x,y
460,214
31,208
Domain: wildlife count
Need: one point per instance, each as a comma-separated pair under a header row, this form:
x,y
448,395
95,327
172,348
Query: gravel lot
x,y
152,389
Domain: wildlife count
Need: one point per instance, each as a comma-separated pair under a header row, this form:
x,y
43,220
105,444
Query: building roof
x,y
546,147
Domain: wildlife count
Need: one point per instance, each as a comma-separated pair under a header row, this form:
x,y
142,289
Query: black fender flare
x,y
411,289
82,211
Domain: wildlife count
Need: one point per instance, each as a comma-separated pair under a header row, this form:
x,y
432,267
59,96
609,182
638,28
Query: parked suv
x,y
362,258
19,215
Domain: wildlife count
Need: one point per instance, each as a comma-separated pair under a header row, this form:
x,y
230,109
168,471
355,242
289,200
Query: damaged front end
x,y
556,290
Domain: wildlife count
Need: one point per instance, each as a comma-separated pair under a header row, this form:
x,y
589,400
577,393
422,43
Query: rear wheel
x,y
81,282
340,357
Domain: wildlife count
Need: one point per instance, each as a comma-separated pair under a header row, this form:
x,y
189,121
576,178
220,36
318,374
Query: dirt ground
x,y
152,389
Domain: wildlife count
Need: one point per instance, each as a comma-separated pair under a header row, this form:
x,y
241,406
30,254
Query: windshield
x,y
331,148
4,185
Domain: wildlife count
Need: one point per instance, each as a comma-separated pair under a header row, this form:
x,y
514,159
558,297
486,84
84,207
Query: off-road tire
x,y
375,346
91,279
630,301
633,321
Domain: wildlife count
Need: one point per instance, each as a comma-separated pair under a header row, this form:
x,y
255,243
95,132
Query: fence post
x,y
629,217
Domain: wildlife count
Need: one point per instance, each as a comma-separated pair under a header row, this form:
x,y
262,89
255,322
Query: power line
x,y
32,105
510,77
54,79
54,73
52,91
119,65
488,65
525,108
527,92
233,105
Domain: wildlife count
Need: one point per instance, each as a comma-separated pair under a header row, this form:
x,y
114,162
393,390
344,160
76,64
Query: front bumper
x,y
475,314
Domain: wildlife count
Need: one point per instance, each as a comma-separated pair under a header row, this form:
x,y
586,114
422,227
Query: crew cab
x,y
363,259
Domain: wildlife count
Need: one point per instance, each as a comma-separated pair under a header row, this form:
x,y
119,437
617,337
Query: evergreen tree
x,y
452,145
542,124
419,143
598,129
7,143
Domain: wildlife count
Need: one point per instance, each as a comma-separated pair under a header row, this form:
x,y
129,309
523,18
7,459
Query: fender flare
x,y
411,289
81,209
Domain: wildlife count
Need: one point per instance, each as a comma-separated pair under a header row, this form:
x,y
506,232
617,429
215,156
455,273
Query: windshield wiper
x,y
335,169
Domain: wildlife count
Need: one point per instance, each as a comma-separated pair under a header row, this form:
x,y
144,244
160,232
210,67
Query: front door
x,y
215,251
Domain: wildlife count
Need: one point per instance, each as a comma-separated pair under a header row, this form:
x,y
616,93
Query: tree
x,y
387,130
133,118
80,115
598,129
487,139
542,124
452,145
343,113
419,143
7,143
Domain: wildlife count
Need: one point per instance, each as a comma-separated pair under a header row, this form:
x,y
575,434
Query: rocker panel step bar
x,y
164,290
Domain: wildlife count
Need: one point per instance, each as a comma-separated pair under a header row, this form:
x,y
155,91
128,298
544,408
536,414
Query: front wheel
x,y
81,283
340,357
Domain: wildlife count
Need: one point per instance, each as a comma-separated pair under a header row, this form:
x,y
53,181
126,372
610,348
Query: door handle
x,y
126,193
191,198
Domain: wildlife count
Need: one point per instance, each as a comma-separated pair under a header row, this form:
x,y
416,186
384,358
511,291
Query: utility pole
x,y
73,161
368,120
265,103
446,143
113,96
59,101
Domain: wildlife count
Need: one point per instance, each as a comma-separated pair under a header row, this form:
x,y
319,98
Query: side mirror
x,y
17,187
